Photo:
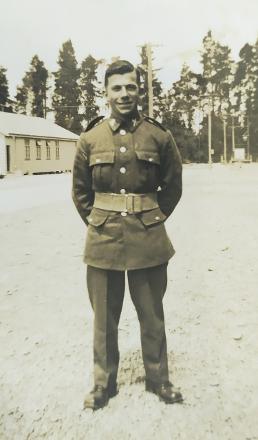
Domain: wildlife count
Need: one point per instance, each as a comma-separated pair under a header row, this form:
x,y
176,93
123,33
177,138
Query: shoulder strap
x,y
154,122
94,122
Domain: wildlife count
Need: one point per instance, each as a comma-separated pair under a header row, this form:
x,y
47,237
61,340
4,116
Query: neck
x,y
127,117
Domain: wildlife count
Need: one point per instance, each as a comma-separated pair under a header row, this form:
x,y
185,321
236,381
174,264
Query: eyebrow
x,y
134,85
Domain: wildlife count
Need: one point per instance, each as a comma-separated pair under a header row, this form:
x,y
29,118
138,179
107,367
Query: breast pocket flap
x,y
102,158
148,156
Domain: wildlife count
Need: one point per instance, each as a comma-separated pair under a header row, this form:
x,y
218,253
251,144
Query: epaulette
x,y
94,122
154,122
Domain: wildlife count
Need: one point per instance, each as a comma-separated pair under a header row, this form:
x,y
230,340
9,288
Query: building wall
x,y
11,143
30,155
3,163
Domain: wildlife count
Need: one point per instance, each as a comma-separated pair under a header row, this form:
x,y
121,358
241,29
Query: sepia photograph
x,y
128,220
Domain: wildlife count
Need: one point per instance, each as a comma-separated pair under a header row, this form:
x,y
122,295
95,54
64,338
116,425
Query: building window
x,y
57,153
38,152
57,142
48,143
27,152
38,143
48,153
27,148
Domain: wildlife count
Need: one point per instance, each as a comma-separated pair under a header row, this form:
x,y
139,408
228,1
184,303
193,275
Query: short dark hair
x,y
120,67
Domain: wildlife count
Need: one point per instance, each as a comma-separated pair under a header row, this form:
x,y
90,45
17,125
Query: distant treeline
x,y
226,90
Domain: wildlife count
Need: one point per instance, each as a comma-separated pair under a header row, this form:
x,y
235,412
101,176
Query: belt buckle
x,y
133,203
129,203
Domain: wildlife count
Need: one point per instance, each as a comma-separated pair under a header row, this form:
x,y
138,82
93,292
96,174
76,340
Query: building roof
x,y
22,125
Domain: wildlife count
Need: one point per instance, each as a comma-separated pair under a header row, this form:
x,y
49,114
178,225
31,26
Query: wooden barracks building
x,y
34,145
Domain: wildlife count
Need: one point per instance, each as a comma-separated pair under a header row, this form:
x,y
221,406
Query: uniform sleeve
x,y
171,176
82,193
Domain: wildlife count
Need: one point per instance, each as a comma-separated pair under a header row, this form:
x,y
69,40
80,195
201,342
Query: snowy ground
x,y
211,308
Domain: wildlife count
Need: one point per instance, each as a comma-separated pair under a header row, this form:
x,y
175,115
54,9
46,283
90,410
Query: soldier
x,y
127,180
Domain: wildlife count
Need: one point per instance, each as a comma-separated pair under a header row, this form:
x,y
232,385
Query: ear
x,y
141,91
105,94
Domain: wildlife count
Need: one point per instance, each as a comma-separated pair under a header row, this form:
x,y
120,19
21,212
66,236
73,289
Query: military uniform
x,y
126,182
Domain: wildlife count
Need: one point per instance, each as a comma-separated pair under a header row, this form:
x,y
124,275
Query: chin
x,y
125,111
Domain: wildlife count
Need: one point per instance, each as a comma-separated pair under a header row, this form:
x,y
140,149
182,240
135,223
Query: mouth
x,y
125,104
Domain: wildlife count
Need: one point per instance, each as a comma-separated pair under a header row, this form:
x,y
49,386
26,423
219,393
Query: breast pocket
x,y
149,162
102,166
151,157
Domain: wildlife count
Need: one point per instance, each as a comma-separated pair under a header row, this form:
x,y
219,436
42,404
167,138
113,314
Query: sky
x,y
110,28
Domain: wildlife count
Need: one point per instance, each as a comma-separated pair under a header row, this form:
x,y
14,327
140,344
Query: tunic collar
x,y
130,124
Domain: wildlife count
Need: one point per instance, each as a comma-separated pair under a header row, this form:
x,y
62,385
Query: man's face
x,y
122,93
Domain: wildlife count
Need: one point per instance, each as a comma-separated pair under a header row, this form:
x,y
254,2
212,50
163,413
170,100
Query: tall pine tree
x,y
244,80
253,122
179,117
38,84
4,92
32,93
89,91
246,94
218,74
23,96
185,95
66,99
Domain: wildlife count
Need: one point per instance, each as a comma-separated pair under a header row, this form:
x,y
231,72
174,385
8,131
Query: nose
x,y
124,92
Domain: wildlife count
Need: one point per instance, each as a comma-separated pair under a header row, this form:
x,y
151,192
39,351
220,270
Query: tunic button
x,y
150,159
122,170
97,160
157,218
122,191
123,149
124,214
122,132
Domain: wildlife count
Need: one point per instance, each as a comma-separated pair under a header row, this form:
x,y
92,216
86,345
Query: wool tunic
x,y
139,157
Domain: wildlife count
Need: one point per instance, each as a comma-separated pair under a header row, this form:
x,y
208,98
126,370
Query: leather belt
x,y
130,203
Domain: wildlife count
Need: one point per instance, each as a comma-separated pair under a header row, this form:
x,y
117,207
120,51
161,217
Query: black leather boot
x,y
99,396
165,391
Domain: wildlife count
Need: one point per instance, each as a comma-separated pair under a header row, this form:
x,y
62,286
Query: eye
x,y
131,87
116,88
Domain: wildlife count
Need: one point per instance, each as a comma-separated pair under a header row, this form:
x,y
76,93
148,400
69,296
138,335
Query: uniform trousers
x,y
106,292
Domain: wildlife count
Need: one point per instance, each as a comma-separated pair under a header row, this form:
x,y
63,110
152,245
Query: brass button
x,y
150,159
97,160
122,191
122,149
157,218
90,219
122,132
122,170
123,214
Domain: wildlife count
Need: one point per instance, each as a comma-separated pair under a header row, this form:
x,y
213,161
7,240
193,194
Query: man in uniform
x,y
127,180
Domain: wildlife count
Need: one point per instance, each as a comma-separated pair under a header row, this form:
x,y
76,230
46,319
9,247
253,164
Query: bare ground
x,y
211,308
